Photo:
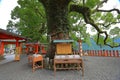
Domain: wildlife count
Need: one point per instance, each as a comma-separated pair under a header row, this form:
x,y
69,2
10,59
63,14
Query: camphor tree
x,y
62,19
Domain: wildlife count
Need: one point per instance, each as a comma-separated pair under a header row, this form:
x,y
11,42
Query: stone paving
x,y
8,58
96,68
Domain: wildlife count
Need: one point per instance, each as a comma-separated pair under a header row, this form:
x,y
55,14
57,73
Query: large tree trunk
x,y
57,21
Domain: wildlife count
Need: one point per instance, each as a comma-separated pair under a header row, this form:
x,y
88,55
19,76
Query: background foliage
x,y
29,20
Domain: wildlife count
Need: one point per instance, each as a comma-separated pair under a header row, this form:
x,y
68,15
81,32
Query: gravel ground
x,y
96,68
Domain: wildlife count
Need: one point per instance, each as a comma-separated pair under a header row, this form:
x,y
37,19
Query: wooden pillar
x,y
117,53
20,48
26,49
89,53
80,47
1,48
17,43
107,53
43,49
17,54
37,46
100,53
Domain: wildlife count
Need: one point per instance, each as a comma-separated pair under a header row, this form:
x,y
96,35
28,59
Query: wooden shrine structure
x,y
64,57
11,38
35,48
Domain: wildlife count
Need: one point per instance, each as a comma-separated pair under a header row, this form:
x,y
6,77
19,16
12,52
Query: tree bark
x,y
57,21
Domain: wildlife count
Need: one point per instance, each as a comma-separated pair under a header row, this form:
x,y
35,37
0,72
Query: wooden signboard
x,y
63,48
17,55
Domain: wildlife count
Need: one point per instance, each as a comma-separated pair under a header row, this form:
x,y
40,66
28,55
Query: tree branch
x,y
98,38
83,2
117,10
85,11
101,3
113,46
108,24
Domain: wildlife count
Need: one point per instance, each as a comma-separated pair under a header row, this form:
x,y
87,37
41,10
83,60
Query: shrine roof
x,y
61,41
4,34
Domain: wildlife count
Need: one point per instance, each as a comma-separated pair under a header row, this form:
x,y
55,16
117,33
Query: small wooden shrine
x,y
64,56
35,48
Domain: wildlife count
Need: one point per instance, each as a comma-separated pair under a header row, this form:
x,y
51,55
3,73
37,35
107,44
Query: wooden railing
x,y
105,53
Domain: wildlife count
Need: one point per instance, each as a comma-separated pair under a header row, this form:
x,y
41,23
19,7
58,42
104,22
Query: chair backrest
x,y
63,48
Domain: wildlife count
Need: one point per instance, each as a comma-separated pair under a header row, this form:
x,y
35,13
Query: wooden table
x,y
34,59
68,62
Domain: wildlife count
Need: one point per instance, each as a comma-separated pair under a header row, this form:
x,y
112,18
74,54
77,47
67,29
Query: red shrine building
x,y
10,38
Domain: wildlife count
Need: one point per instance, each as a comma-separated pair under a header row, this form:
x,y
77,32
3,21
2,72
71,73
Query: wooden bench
x,y
68,62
